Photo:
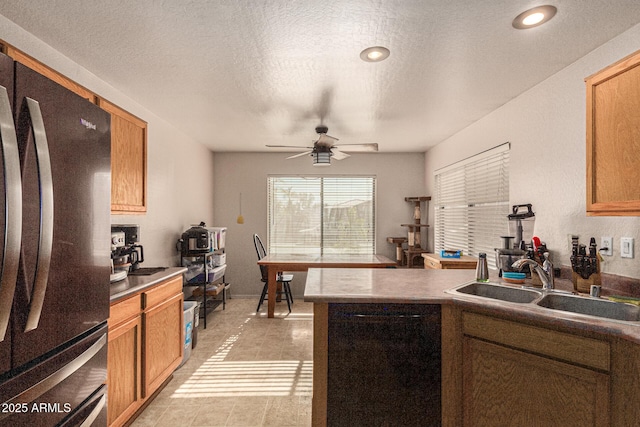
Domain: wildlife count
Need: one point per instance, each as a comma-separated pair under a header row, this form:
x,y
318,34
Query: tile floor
x,y
246,370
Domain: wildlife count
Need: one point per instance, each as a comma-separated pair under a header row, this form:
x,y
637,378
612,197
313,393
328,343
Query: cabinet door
x,y
124,370
128,161
613,139
163,341
506,387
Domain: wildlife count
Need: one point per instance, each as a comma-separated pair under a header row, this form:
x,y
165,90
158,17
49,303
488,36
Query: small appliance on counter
x,y
119,263
521,225
126,252
521,221
507,255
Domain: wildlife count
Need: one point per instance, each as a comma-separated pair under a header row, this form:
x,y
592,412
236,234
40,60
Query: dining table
x,y
302,262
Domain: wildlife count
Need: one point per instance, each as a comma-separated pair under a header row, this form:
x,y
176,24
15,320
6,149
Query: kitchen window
x,y
321,214
472,203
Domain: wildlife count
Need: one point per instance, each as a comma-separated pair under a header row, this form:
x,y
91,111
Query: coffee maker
x,y
126,253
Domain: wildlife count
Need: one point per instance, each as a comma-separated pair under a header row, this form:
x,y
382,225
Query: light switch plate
x,y
606,243
626,247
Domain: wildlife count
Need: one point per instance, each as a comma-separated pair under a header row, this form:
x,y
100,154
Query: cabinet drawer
x,y
162,292
431,264
560,345
123,310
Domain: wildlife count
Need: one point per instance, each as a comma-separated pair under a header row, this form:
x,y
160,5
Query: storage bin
x,y
219,259
189,309
195,273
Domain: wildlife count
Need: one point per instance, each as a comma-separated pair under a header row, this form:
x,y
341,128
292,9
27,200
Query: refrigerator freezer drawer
x,y
91,413
57,389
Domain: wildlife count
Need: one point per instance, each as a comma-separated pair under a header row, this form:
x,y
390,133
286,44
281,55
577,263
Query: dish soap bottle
x,y
482,270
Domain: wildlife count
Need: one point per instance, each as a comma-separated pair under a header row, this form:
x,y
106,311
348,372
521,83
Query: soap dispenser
x,y
482,270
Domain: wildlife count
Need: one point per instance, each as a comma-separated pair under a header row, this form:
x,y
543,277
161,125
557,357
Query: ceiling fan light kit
x,y
534,17
323,148
321,159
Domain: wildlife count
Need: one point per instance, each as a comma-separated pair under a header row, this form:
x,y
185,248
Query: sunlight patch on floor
x,y
249,378
218,377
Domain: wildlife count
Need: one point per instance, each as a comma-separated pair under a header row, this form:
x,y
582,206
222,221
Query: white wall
x,y
180,171
398,176
546,128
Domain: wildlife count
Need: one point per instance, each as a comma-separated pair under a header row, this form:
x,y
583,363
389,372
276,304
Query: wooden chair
x,y
284,280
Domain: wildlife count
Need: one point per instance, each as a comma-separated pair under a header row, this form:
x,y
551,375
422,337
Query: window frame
x,y
465,218
322,248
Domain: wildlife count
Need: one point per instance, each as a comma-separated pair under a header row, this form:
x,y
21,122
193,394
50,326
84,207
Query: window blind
x,y
321,214
472,203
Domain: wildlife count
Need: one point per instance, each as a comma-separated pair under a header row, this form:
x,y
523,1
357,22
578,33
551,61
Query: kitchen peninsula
x,y
498,359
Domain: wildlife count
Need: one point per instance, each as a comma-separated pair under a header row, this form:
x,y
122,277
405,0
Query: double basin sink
x,y
553,300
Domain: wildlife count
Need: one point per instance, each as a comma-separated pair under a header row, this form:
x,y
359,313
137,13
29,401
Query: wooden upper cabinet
x,y
613,139
39,67
128,140
128,161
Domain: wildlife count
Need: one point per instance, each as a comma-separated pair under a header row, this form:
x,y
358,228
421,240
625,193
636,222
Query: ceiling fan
x,y
324,148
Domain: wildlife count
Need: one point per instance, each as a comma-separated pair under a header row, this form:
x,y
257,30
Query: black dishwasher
x,y
384,365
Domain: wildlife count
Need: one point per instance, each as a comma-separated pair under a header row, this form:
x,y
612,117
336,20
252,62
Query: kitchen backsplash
x,y
612,284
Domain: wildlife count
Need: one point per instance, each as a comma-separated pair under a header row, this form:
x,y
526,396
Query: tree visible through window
x,y
321,214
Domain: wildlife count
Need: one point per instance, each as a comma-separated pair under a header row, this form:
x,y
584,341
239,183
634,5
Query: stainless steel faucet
x,y
545,272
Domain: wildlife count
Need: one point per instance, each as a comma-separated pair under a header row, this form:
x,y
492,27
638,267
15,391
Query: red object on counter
x,y
535,241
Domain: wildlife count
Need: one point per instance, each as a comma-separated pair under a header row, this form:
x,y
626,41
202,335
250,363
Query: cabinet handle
x,y
45,243
13,211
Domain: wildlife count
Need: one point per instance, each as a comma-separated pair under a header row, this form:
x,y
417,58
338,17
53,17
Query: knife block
x,y
584,285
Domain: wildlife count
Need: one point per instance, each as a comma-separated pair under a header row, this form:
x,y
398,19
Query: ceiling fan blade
x,y
298,147
306,153
326,140
339,155
358,147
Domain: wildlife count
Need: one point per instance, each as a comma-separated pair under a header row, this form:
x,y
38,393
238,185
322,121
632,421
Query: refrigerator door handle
x,y
13,211
37,390
95,412
45,244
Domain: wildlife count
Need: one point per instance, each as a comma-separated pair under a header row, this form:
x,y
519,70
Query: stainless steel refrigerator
x,y
54,252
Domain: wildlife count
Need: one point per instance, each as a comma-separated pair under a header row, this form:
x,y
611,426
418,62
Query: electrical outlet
x,y
626,247
606,246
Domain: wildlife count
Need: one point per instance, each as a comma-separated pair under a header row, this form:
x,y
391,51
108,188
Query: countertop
x,y
134,284
376,285
340,285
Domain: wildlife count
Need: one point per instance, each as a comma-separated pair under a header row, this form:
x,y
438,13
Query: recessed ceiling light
x,y
534,17
375,54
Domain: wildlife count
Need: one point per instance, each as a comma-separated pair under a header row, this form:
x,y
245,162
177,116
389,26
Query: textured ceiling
x,y
238,74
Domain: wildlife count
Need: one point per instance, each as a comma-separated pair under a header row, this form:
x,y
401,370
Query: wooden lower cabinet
x,y
163,343
502,386
145,347
499,371
123,374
